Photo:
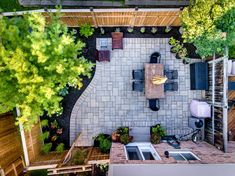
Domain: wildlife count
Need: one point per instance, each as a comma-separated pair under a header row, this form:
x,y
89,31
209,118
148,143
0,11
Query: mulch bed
x,y
70,100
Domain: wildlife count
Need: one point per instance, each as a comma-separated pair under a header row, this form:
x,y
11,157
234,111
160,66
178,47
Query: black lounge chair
x,y
154,104
171,86
138,74
138,86
155,58
171,74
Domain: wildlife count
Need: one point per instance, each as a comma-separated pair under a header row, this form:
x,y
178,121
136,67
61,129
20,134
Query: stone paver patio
x,y
109,101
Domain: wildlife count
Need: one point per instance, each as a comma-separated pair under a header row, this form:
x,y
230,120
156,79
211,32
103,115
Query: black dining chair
x,y
155,58
138,86
154,104
138,74
171,74
171,86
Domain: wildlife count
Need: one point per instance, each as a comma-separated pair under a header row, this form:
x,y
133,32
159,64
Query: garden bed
x,y
70,99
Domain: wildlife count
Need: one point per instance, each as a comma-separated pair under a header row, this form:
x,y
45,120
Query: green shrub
x,y
123,130
86,30
158,130
232,52
54,124
37,63
45,135
79,157
63,92
204,22
125,139
44,123
46,148
105,145
182,53
60,148
173,42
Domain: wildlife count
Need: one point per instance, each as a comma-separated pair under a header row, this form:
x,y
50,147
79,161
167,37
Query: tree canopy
x,y
38,60
204,23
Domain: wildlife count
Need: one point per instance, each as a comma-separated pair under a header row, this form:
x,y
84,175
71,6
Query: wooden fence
x,y
33,142
128,17
11,152
117,17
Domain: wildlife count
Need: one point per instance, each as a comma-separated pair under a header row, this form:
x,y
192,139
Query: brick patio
x,y
109,101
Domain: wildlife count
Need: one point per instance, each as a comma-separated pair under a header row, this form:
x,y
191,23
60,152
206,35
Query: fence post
x,y
134,17
93,17
22,134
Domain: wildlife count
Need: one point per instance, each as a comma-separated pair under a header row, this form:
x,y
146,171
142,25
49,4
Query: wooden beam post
x,y
23,140
134,17
93,17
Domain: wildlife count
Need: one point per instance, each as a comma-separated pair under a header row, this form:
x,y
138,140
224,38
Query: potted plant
x,y
182,53
130,29
168,29
142,30
117,30
102,31
122,135
86,30
125,139
153,30
156,133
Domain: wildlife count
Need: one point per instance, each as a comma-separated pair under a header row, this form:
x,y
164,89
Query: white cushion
x,y
233,69
230,64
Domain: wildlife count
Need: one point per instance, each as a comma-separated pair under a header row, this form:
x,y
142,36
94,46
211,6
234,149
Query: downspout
x,y
23,141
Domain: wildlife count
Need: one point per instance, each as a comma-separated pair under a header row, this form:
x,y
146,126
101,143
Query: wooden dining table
x,y
153,91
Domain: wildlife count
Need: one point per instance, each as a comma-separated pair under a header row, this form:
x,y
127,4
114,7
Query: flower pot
x,y
155,139
115,136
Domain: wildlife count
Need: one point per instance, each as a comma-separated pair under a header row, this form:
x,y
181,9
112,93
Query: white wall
x,y
172,170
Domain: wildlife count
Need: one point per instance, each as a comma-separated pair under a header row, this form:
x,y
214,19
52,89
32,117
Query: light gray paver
x,y
109,101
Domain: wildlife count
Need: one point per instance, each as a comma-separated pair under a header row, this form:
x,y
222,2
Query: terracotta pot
x,y
115,136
